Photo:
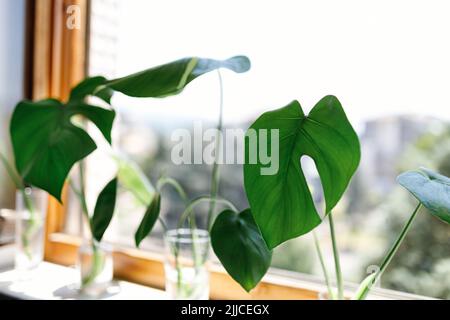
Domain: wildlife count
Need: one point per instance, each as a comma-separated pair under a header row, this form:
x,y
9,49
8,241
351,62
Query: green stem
x,y
396,245
215,171
32,224
372,279
97,258
189,208
172,182
324,268
180,190
337,262
97,266
185,215
82,193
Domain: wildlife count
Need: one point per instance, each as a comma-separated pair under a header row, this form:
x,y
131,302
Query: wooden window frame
x,y
57,59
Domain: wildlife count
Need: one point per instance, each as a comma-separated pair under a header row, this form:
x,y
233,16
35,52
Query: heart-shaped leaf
x,y
149,220
281,203
46,144
171,78
240,247
431,189
104,210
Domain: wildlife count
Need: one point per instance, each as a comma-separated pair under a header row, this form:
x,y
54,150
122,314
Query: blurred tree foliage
x,y
422,265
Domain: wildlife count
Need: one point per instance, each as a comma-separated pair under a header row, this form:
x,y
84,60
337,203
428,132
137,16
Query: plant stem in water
x,y
337,262
97,258
324,268
388,258
216,170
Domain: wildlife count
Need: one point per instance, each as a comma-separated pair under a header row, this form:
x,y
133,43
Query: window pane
x,y
12,22
389,73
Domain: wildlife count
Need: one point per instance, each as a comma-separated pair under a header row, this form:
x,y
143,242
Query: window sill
x,y
147,269
54,282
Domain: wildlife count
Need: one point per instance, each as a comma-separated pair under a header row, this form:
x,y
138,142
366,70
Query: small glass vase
x,y
95,264
187,276
31,208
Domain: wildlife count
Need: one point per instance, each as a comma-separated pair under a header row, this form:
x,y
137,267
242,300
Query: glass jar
x,y
95,264
31,209
187,276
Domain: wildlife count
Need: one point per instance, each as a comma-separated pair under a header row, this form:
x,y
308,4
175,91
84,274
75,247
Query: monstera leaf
x,y
46,144
431,189
281,203
237,242
157,82
171,78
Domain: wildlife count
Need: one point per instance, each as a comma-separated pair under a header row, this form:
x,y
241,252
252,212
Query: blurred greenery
x,y
369,217
422,264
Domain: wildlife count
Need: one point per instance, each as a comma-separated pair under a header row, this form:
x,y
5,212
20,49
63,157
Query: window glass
x,y
390,74
12,25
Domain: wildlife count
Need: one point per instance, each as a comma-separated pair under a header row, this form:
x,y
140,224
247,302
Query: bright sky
x,y
378,57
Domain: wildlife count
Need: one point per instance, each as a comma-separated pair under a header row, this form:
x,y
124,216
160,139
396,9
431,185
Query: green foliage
x,y
282,204
365,286
104,210
431,189
238,244
46,144
149,220
93,86
134,180
419,266
171,78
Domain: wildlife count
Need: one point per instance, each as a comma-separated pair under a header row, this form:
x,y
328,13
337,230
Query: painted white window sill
x,y
54,282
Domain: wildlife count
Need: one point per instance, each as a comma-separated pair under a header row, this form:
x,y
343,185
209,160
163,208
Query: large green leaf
x,y
104,210
171,78
46,144
431,189
240,247
149,220
281,203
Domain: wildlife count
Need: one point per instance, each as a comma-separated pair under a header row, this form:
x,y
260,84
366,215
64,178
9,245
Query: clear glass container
x,y
95,264
187,276
31,209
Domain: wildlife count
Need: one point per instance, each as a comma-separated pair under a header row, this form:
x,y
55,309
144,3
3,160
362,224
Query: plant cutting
x,y
282,204
186,274
47,143
188,248
432,190
30,211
